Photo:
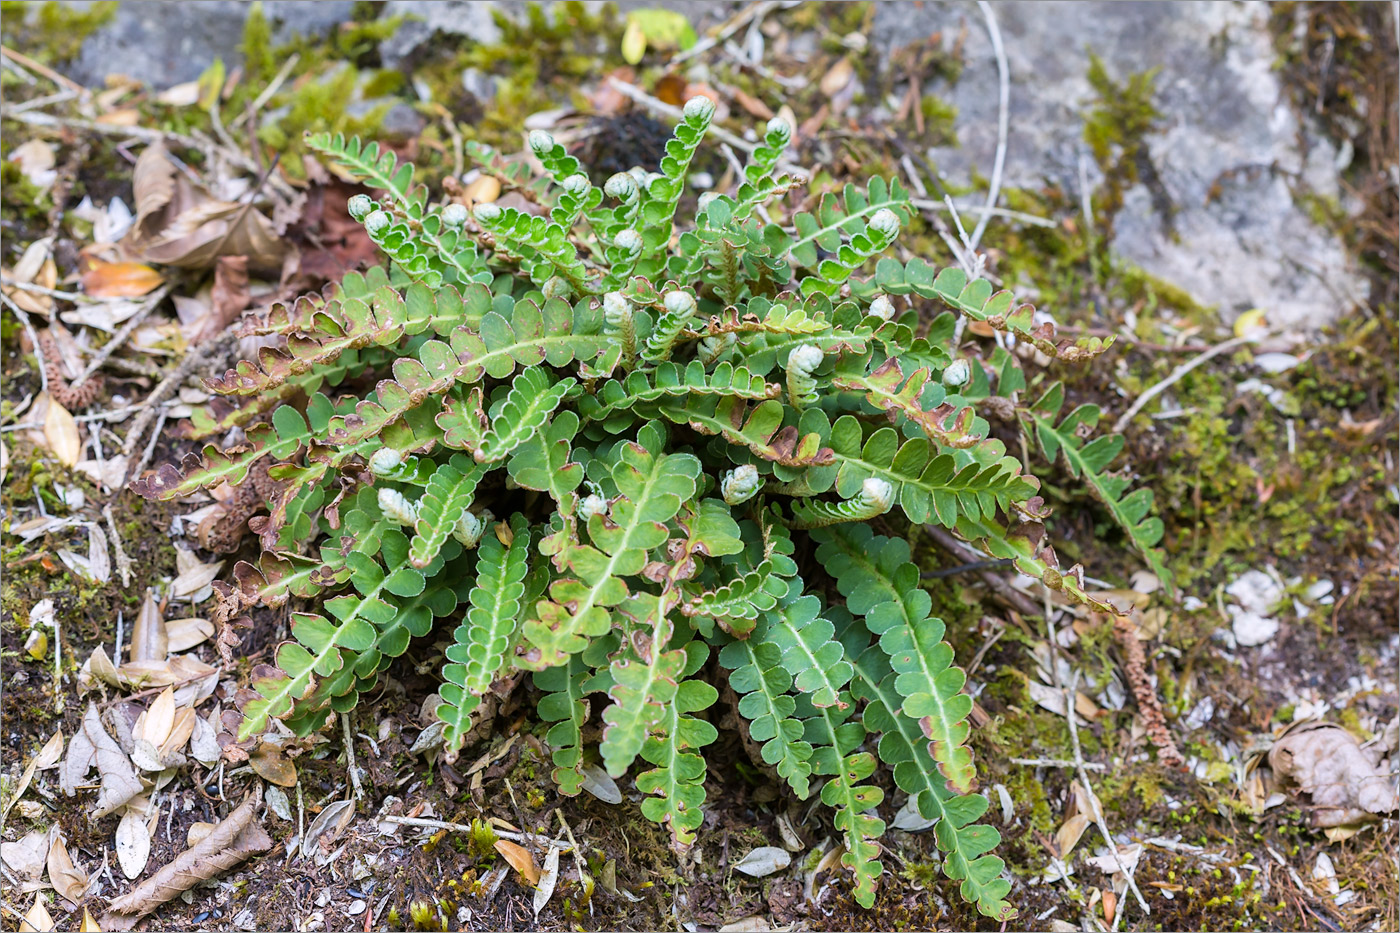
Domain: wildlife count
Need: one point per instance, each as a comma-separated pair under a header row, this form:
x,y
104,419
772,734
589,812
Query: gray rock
x,y
474,19
1225,119
454,17
164,43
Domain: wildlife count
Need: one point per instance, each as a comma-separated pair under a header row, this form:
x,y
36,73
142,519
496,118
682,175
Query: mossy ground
x,y
1235,488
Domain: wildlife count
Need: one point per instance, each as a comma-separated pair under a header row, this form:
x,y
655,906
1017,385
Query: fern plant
x,y
639,458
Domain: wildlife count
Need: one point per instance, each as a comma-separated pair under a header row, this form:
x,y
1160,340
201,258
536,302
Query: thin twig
x,y
111,415
1058,763
425,823
267,92
168,385
121,336
144,134
583,876
77,297
350,757
726,30
1177,374
1033,219
123,562
150,448
24,61
1003,119
45,101
34,339
1093,801
675,113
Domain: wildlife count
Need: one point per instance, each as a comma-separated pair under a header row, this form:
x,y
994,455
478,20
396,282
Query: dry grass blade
x,y
235,838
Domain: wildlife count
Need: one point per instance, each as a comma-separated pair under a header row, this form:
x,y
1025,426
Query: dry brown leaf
x,y
149,639
120,280
36,160
36,266
178,223
194,575
77,763
229,296
752,105
836,79
153,185
155,723
520,859
61,434
235,838
1326,762
483,190
89,924
38,919
46,757
1069,834
327,826
63,874
198,832
129,116
272,766
670,89
133,842
28,856
184,634
119,779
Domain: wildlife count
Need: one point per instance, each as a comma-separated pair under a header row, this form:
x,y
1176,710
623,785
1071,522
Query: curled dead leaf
x,y
272,766
120,280
520,859
1325,761
236,838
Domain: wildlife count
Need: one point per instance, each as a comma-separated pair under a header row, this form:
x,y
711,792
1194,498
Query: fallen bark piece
x,y
230,842
1324,761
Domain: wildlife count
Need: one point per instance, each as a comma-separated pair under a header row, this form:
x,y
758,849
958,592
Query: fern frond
x,y
615,400
1131,512
879,582
846,214
679,775
449,493
478,651
653,488
976,300
663,194
915,772
565,706
761,429
929,486
916,398
758,676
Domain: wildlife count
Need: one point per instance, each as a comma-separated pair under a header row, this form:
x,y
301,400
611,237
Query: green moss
x,y
1122,115
54,34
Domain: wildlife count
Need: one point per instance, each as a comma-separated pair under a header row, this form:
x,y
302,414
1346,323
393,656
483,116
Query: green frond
x,y
478,650
1090,461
